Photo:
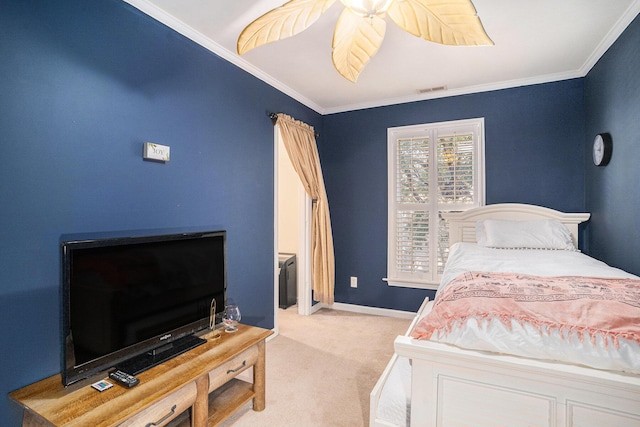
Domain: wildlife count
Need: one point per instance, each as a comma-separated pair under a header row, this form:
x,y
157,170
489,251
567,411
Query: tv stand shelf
x,y
202,379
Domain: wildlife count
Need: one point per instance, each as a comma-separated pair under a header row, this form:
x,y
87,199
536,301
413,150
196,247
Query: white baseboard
x,y
376,311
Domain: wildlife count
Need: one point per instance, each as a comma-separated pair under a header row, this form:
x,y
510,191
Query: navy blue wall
x,y
533,144
612,93
84,84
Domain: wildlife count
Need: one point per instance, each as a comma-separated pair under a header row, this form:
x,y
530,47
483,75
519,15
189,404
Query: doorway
x,y
292,225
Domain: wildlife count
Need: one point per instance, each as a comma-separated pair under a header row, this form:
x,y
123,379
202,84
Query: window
x,y
433,168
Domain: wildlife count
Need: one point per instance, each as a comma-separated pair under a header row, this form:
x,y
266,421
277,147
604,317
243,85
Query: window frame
x,y
430,280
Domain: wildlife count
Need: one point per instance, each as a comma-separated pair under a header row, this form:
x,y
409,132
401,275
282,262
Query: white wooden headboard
x,y
462,225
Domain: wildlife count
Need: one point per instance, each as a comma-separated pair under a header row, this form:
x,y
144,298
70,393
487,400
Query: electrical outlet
x,y
354,282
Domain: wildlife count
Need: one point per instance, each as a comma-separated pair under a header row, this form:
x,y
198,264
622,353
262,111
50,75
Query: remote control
x,y
124,379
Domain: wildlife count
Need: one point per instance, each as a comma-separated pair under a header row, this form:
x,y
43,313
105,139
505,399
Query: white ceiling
x,y
536,41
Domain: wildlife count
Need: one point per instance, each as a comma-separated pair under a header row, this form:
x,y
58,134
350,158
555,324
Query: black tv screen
x,y
128,300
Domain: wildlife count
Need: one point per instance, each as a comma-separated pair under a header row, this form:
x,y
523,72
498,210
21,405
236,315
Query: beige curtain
x,y
300,142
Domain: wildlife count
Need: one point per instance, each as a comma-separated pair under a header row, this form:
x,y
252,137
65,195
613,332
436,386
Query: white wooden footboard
x,y
455,387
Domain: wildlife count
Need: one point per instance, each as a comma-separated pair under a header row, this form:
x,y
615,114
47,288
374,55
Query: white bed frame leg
x,y
423,400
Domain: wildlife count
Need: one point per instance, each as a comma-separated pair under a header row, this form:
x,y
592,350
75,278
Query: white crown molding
x,y
629,15
467,90
180,27
170,21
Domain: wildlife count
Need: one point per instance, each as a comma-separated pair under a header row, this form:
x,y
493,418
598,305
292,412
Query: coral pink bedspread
x,y
584,306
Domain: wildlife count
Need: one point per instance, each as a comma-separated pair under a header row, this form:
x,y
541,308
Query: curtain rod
x,y
274,119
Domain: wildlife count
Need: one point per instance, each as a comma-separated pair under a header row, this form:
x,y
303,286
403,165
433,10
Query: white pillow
x,y
538,234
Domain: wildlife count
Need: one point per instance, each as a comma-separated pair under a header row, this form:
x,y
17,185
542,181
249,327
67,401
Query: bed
x,y
449,371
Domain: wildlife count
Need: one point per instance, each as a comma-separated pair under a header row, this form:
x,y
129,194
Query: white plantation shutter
x,y
412,241
433,168
455,168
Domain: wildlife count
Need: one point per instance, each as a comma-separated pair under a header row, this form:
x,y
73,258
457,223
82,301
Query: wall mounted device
x,y
157,152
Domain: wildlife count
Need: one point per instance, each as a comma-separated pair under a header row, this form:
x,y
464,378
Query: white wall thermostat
x,y
157,152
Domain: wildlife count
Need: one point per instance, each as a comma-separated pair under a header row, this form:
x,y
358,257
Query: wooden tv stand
x,y
197,388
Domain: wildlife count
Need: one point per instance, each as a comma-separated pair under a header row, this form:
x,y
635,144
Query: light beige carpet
x,y
321,369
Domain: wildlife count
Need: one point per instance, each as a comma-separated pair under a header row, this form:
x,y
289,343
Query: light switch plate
x,y
156,152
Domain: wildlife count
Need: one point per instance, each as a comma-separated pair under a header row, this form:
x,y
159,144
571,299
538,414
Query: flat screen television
x,y
135,301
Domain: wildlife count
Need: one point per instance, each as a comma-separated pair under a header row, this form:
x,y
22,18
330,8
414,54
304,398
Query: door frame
x,y
303,258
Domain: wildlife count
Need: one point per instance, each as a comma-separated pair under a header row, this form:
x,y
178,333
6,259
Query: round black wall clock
x,y
602,148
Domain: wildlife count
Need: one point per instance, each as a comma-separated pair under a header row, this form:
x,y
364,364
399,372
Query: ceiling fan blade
x,y
285,21
449,22
355,40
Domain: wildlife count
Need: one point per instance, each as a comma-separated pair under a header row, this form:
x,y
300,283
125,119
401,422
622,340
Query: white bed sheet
x,y
465,257
526,340
394,406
